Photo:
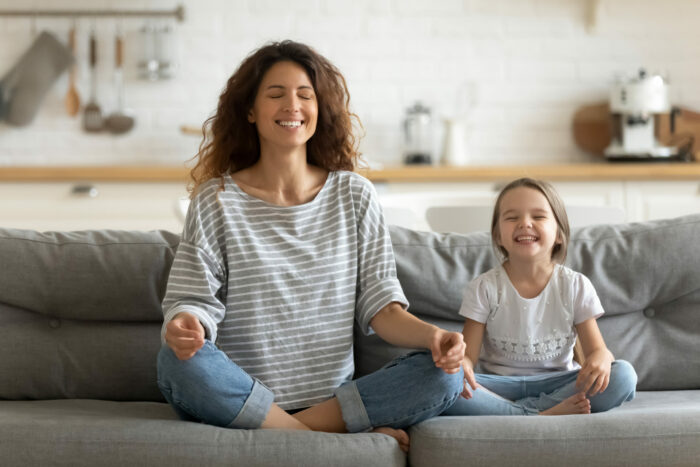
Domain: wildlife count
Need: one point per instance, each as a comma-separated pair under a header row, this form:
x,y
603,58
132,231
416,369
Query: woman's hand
x,y
469,379
184,334
448,350
594,376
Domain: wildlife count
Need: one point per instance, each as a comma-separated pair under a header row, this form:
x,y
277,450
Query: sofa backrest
x,y
647,276
80,313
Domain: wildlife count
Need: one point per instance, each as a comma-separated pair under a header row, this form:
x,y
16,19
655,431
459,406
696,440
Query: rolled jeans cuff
x,y
352,408
255,408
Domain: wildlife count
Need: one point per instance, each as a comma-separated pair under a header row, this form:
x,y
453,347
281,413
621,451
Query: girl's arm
x,y
595,372
473,333
399,327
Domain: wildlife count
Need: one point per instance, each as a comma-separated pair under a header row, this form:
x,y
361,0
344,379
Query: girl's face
x,y
527,228
285,110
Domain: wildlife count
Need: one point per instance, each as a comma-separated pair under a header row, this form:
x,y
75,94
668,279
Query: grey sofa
x,y
79,331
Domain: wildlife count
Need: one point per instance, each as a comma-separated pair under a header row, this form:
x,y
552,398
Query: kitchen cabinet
x,y
143,197
659,200
92,205
466,207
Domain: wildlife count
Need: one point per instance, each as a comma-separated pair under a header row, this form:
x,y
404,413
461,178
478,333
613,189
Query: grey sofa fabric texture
x,y
80,313
647,276
80,318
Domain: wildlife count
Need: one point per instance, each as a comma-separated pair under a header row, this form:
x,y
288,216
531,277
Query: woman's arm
x,y
399,327
595,372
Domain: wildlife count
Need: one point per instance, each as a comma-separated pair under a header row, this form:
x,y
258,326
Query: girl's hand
x,y
448,350
469,379
594,376
184,334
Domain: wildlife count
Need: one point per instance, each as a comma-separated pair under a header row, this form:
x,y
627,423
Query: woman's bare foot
x,y
399,435
576,404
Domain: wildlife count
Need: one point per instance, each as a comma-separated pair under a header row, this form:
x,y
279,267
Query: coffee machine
x,y
637,106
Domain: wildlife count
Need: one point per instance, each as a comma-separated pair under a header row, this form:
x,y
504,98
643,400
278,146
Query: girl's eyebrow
x,y
509,211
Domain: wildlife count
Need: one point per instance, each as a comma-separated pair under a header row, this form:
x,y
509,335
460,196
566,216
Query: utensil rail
x,y
178,12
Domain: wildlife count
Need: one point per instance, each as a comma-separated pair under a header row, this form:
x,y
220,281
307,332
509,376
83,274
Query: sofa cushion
x,y
646,274
80,313
97,275
656,428
88,433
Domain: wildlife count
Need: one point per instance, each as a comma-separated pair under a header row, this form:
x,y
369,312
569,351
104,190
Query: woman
x,y
283,249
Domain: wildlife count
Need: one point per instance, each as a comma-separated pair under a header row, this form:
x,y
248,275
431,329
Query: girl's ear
x,y
251,117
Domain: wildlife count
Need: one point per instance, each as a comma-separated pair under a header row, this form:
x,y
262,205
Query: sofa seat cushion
x,y
81,432
656,428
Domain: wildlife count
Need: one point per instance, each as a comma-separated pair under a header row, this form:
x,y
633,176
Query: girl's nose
x,y
526,222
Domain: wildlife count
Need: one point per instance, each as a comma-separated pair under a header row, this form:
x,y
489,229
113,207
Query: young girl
x,y
527,313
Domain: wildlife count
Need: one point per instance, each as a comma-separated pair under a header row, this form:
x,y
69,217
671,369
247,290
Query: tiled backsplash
x,y
526,64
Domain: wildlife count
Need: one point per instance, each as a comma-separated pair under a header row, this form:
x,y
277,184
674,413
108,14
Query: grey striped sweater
x,y
278,288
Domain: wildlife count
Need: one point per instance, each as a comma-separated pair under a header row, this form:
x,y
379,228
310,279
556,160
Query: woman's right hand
x,y
184,334
469,379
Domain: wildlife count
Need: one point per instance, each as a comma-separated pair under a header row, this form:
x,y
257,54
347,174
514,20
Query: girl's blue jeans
x,y
530,395
211,388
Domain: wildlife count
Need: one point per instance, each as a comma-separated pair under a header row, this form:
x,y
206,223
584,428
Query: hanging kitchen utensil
x,y
121,120
92,114
23,88
72,97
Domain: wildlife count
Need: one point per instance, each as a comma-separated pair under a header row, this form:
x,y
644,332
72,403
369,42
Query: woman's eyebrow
x,y
279,86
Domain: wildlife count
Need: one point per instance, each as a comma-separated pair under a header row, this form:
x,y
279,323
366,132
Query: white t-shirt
x,y
525,336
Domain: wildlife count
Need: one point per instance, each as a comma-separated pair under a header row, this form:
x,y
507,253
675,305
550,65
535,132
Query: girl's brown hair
x,y
558,209
231,142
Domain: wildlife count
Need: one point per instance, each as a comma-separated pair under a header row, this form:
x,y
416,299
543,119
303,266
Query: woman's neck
x,y
282,177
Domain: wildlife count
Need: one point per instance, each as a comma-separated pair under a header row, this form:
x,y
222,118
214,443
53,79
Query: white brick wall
x,y
530,63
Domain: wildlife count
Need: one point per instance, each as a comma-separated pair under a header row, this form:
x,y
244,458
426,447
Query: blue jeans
x,y
530,395
211,388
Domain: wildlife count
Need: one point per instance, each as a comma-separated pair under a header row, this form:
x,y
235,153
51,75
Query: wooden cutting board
x,y
592,128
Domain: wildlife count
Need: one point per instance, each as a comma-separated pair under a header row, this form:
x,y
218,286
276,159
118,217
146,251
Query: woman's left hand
x,y
448,350
594,376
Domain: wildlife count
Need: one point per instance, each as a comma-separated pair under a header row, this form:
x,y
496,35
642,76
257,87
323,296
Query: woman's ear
x,y
251,117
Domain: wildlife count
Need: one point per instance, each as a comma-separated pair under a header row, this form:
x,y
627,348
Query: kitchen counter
x,y
570,172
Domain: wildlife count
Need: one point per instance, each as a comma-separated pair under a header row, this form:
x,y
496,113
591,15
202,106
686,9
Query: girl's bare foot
x,y
399,435
576,404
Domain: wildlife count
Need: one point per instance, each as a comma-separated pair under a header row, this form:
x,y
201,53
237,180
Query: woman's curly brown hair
x,y
231,142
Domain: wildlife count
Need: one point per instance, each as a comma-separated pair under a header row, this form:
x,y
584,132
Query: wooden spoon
x,y
72,96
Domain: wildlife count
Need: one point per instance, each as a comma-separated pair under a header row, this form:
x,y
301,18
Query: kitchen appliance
x,y
636,107
418,131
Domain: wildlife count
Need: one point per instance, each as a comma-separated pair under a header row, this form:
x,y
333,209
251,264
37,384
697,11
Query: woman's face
x,y
285,110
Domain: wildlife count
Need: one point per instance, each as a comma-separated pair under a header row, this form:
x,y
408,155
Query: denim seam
x,y
259,392
452,400
184,407
357,403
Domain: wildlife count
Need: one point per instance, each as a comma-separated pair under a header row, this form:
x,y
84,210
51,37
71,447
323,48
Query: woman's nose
x,y
291,104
